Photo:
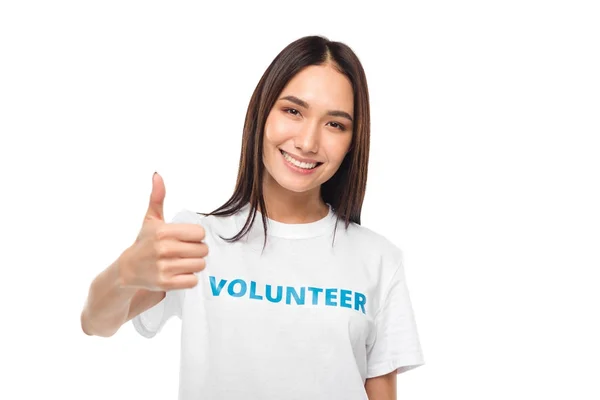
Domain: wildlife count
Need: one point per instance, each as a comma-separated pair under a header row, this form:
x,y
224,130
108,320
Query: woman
x,y
304,304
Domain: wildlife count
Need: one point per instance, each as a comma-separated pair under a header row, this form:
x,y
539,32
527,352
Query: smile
x,y
299,164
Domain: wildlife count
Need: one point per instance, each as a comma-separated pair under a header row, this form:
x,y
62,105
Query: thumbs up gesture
x,y
164,256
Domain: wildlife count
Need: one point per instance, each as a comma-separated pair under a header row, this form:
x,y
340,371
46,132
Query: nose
x,y
308,139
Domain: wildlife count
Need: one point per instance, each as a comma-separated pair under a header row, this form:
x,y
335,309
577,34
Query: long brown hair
x,y
345,190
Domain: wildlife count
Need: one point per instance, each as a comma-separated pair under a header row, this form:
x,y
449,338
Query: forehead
x,y
322,86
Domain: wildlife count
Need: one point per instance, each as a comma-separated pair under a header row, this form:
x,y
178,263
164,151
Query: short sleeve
x,y
396,346
150,322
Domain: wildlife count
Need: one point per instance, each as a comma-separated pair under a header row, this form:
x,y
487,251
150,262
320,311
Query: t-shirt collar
x,y
320,227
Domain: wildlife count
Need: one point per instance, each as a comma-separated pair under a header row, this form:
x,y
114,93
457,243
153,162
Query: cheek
x,y
337,148
279,129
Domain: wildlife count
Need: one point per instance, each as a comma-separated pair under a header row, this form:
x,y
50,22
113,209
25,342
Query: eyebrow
x,y
302,103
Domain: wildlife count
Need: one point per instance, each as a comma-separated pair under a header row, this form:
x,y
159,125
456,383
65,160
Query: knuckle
x,y
162,281
161,248
162,266
161,233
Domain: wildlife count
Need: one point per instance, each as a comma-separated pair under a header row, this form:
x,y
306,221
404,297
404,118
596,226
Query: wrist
x,y
123,273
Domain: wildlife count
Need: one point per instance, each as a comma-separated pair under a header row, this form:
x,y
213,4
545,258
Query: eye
x,y
292,111
339,126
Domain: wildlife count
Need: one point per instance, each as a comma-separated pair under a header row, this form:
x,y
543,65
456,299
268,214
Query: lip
x,y
297,169
305,160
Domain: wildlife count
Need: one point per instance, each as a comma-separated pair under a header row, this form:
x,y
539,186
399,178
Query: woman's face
x,y
309,129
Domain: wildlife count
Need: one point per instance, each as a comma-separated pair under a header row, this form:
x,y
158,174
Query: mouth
x,y
298,164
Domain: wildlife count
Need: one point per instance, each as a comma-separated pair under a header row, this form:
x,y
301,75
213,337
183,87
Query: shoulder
x,y
186,216
209,222
366,239
379,256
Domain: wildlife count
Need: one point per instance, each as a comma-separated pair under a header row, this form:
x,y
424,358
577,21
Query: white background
x,y
484,169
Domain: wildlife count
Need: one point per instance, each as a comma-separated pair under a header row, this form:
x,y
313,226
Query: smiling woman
x,y
295,308
311,137
311,106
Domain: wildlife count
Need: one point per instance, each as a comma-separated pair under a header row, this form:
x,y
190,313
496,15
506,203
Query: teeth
x,y
298,163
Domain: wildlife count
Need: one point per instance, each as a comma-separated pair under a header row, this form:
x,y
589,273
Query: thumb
x,y
157,198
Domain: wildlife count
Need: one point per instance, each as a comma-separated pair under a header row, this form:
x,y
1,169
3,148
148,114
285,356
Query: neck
x,y
291,207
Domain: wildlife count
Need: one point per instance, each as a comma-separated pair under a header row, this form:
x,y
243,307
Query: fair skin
x,y
299,124
312,121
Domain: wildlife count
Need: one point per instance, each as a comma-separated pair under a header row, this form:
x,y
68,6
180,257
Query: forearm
x,y
107,304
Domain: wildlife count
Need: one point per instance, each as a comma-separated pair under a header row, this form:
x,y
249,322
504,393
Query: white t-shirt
x,y
305,319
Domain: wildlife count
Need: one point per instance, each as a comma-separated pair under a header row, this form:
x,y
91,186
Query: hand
x,y
164,256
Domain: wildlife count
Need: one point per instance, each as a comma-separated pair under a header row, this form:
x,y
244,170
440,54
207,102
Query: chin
x,y
295,186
